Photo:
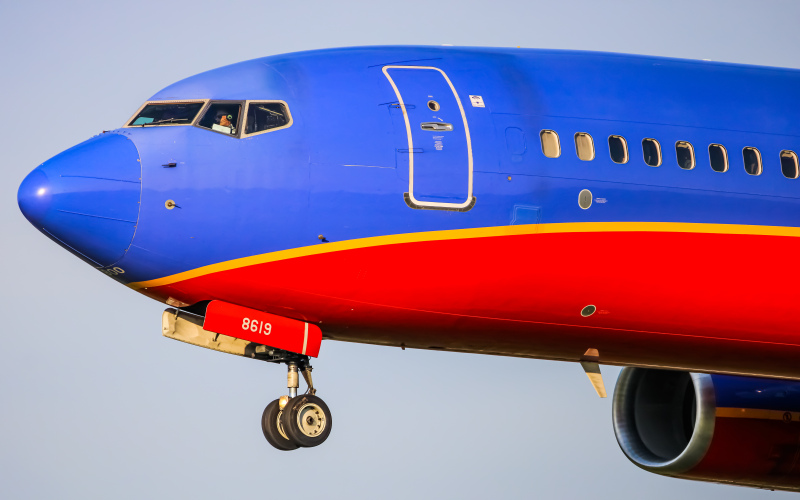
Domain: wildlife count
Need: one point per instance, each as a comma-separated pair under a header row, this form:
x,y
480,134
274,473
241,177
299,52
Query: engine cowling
x,y
721,428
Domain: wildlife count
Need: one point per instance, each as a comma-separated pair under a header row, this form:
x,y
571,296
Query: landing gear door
x,y
438,142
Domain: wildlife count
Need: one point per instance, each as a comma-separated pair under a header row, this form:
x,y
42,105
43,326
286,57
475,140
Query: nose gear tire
x,y
307,420
270,421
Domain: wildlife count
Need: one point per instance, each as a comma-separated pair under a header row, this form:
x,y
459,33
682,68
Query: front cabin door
x,y
438,142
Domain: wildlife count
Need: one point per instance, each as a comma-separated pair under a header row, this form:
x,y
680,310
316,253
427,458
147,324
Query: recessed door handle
x,y
436,126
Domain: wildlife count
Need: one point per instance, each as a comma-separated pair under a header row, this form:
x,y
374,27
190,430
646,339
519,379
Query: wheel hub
x,y
311,420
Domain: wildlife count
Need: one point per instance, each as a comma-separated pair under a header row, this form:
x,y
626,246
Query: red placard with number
x,y
263,328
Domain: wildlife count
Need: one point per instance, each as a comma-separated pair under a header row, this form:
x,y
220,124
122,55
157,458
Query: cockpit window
x,y
222,117
170,113
263,116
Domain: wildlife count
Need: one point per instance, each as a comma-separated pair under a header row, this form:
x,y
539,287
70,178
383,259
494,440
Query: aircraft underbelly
x,y
645,291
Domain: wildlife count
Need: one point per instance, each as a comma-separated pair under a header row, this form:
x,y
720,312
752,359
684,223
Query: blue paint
x,y
87,198
525,215
515,143
441,158
757,393
337,170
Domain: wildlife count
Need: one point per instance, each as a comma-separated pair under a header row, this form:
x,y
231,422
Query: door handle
x,y
436,126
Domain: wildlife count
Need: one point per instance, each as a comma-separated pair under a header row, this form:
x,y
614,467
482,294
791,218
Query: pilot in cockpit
x,y
223,121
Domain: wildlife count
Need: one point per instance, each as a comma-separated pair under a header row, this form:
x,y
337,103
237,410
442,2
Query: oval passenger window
x,y
685,154
618,149
652,152
550,145
752,161
789,165
584,146
718,156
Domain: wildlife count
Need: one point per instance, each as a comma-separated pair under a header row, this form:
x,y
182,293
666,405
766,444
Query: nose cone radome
x,y
34,196
86,199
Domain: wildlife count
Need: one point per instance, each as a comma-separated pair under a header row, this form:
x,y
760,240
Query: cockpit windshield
x,y
262,116
172,113
222,117
237,119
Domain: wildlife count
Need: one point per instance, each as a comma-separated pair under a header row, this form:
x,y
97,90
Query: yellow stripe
x,y
786,416
480,232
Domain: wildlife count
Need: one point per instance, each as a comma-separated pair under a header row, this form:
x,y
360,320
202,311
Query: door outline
x,y
432,204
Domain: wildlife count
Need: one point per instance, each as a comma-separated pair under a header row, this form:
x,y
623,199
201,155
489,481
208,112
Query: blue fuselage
x,y
339,169
399,142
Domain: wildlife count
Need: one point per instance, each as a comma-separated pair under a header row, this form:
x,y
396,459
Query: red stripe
x,y
522,295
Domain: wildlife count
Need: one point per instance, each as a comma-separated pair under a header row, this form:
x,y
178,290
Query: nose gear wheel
x,y
306,420
273,430
295,421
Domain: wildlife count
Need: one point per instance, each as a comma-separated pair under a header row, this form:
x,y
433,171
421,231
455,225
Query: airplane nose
x,y
86,199
34,196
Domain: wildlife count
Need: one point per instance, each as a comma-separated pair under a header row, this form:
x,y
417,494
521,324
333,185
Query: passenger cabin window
x,y
618,148
168,113
263,116
685,153
752,161
652,152
222,117
718,156
551,147
584,146
789,165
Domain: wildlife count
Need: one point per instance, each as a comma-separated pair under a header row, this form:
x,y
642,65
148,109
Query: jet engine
x,y
726,429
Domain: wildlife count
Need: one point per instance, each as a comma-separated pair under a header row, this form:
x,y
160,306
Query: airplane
x,y
594,208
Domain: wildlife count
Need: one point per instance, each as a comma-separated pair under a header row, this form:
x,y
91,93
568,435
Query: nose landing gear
x,y
293,421
273,429
306,420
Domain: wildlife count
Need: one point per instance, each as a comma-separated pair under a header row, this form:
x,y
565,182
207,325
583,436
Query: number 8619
x,y
257,326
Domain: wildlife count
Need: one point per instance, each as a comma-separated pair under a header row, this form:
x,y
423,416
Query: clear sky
x,y
94,403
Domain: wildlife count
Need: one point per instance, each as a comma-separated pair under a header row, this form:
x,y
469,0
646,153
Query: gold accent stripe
x,y
480,232
786,416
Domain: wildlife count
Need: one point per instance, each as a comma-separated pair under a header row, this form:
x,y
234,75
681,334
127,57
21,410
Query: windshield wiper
x,y
166,120
273,113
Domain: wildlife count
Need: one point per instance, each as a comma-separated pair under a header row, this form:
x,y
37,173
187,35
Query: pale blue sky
x,y
94,403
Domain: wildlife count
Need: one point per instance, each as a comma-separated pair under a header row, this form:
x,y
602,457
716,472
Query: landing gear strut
x,y
293,421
